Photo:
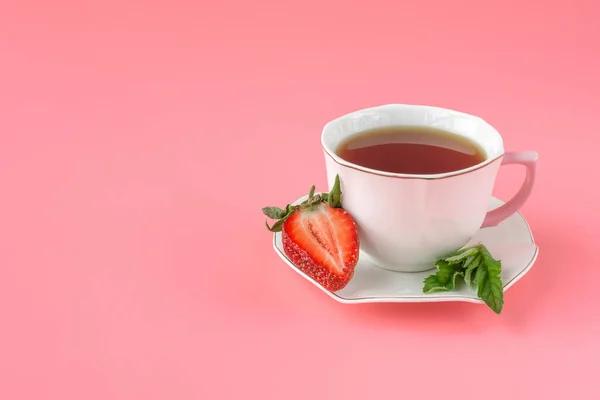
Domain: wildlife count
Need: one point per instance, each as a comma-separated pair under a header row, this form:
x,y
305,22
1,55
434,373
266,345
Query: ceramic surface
x,y
406,222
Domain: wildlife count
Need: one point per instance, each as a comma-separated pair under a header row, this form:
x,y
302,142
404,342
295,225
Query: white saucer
x,y
511,241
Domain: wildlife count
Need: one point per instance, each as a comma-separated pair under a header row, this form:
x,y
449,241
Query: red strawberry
x,y
319,237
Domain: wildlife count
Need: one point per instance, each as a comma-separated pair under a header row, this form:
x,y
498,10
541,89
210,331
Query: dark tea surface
x,y
411,150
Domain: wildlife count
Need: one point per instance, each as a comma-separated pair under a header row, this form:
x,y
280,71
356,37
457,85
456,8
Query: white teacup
x,y
405,221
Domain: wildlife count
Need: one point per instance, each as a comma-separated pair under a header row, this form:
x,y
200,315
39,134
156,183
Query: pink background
x,y
139,140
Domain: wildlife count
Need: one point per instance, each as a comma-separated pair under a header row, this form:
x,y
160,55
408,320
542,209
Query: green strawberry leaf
x,y
276,227
335,195
274,212
313,201
332,198
311,194
289,209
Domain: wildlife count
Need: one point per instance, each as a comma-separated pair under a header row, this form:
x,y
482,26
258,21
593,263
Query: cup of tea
x,y
418,180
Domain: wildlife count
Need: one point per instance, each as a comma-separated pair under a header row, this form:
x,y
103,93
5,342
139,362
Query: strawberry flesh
x,y
323,243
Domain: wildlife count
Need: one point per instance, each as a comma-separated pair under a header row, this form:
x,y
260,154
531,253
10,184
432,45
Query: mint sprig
x,y
477,267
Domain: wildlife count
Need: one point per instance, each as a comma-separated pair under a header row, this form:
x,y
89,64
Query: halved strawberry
x,y
319,237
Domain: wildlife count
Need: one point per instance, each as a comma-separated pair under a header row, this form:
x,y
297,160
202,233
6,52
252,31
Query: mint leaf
x,y
490,289
443,280
479,275
462,255
477,267
471,265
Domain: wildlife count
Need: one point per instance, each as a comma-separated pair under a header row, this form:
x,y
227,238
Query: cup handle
x,y
529,160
